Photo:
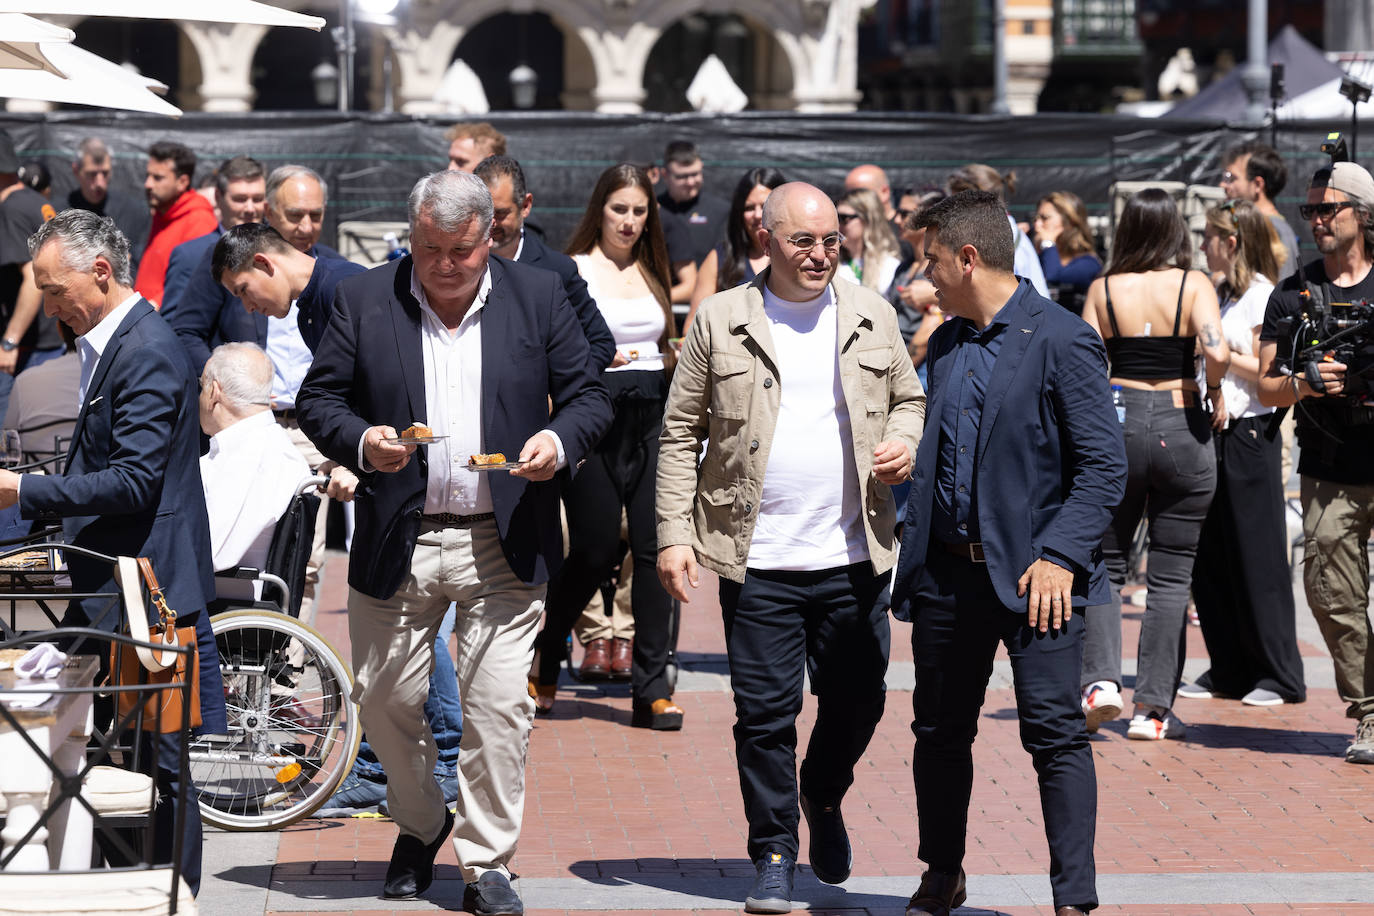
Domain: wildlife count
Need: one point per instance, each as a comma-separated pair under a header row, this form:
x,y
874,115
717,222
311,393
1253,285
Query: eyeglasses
x,y
1228,177
846,217
903,214
1321,211
806,243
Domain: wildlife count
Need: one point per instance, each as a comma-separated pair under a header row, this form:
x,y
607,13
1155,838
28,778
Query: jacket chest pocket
x,y
874,366
732,386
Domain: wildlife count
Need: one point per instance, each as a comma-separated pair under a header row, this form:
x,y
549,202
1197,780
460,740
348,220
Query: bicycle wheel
x,y
293,728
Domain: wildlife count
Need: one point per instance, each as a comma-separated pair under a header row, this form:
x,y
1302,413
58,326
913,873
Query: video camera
x,y
1340,332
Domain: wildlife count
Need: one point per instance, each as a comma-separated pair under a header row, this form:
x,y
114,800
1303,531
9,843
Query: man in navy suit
x,y
477,349
1017,474
512,202
132,480
240,197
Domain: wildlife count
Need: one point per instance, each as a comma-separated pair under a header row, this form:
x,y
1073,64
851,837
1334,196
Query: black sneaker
x,y
829,852
772,891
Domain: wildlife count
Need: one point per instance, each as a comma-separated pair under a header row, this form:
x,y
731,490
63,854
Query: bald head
x,y
801,233
794,202
871,178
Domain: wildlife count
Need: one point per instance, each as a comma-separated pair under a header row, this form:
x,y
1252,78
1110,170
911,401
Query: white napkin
x,y
42,662
22,696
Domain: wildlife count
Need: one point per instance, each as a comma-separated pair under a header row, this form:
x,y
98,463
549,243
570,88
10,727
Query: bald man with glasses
x,y
811,409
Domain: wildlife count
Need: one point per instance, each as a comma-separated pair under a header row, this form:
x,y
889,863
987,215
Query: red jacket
x,y
189,217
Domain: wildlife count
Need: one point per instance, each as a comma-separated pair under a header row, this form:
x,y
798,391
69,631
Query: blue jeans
x,y
443,709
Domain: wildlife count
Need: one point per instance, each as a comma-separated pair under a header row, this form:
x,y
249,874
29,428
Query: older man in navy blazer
x,y
131,484
477,349
1017,473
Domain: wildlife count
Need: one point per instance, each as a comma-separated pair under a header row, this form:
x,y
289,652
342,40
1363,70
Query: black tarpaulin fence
x,y
371,160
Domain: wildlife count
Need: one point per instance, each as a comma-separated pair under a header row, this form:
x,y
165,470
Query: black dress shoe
x,y
411,871
938,894
492,895
1070,911
829,852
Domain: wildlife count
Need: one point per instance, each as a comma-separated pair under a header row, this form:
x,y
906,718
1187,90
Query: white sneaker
x,y
1261,697
1191,691
1101,703
1153,725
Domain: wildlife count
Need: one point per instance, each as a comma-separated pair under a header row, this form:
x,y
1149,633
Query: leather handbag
x,y
139,665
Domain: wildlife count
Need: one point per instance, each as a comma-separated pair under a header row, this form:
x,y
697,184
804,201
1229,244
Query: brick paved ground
x,y
1255,813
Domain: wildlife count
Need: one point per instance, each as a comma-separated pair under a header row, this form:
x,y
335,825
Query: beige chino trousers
x,y
393,654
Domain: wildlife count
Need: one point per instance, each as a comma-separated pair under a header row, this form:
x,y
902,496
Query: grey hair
x,y
94,149
451,198
282,174
244,373
84,236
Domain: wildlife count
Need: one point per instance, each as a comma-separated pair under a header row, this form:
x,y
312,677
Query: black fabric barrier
x,y
371,160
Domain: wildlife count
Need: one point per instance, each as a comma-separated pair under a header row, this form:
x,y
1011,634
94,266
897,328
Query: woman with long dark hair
x,y
740,257
1241,578
1068,250
1153,314
619,250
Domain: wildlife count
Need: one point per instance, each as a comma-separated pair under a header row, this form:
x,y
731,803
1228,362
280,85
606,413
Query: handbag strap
x,y
131,573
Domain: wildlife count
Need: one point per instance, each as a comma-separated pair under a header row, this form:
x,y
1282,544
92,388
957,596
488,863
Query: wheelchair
x,y
293,727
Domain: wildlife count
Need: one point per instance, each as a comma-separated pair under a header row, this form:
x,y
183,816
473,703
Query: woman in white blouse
x,y
1241,578
619,250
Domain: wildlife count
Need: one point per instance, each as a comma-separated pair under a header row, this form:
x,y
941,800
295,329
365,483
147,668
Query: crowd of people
x,y
889,401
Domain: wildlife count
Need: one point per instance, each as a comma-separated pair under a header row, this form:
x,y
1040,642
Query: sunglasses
x,y
846,217
1321,211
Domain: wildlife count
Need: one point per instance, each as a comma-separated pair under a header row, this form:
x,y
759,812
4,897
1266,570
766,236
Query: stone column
x,y
226,62
823,48
423,52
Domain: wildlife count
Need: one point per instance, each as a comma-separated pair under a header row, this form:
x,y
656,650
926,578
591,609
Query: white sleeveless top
x,y
636,322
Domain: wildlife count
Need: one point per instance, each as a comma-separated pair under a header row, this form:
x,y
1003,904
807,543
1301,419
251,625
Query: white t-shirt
x,y
636,322
1239,318
809,513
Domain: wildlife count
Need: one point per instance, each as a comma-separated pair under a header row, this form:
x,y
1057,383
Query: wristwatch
x,y
9,345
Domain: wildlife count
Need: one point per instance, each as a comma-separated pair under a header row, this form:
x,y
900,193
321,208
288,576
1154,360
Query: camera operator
x,y
1336,435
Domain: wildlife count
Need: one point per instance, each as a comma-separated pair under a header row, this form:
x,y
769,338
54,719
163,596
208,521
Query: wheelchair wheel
x,y
293,728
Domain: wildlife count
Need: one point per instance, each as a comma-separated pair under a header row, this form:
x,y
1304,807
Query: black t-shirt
x,y
1347,461
675,238
703,218
20,216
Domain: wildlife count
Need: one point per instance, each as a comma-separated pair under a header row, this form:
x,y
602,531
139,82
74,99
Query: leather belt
x,y
453,520
288,413
972,551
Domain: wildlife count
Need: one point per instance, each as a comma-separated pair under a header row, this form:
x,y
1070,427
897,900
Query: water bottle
x,y
1120,403
394,250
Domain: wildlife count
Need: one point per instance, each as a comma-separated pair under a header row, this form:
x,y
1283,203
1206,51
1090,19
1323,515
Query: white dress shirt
x,y
249,475
290,357
91,345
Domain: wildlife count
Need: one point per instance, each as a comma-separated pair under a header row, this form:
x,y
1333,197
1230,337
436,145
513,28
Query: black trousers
x,y
619,473
1241,580
779,626
957,624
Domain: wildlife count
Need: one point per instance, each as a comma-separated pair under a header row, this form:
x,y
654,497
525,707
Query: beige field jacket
x,y
726,392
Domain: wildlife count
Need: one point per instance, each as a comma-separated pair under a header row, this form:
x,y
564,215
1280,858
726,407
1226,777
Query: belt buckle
x,y
975,552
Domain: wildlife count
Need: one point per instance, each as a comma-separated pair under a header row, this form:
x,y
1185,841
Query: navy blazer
x,y
205,315
1050,462
132,480
369,371
535,253
181,263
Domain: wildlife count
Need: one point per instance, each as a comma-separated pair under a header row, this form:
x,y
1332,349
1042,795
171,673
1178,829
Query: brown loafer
x,y
938,894
622,658
660,715
596,660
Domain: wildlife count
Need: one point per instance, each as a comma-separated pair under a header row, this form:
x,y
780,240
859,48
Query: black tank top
x,y
1150,359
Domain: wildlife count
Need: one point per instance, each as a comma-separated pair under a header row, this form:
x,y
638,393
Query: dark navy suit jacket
x,y
1050,463
369,371
132,486
205,315
599,338
183,260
